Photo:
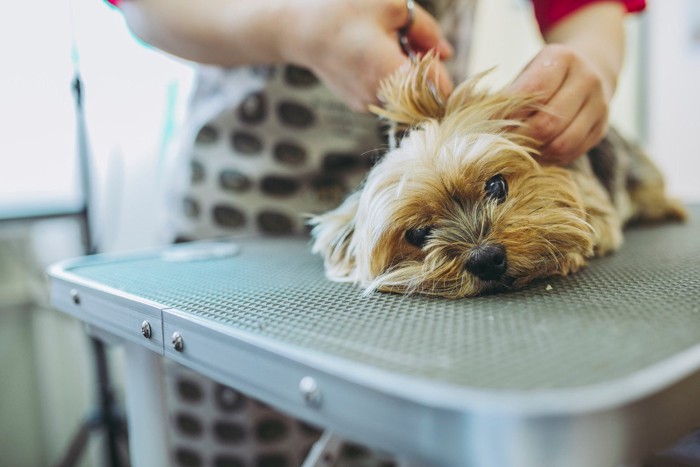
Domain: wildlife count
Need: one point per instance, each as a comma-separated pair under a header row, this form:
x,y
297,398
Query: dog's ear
x,y
410,95
333,234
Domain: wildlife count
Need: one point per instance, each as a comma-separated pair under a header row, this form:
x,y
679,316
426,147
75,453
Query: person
x,y
278,125
293,146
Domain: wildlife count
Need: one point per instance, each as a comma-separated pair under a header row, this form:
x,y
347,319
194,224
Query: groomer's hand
x,y
576,97
575,77
352,45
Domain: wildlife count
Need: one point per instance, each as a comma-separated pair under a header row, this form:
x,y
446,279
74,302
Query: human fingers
x,y
544,75
579,137
364,92
441,78
359,91
567,128
360,47
358,88
562,109
425,34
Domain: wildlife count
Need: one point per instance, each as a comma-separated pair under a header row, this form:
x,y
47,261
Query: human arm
x,y
576,75
350,44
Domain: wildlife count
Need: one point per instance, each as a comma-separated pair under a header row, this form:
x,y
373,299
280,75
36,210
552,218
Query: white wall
x,y
36,110
134,97
674,92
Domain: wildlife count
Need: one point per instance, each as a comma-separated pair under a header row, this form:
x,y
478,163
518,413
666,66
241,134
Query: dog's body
x,y
461,206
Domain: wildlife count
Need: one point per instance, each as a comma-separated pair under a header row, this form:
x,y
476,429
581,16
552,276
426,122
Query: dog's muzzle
x,y
487,262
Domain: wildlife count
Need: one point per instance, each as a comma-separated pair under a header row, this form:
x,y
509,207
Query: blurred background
x,y
134,100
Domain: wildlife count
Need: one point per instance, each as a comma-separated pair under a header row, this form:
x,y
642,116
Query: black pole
x,y
105,395
105,417
83,152
109,418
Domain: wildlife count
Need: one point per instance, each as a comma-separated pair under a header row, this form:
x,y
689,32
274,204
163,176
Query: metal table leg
x,y
145,407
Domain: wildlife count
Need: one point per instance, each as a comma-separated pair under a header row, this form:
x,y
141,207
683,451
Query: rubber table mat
x,y
621,314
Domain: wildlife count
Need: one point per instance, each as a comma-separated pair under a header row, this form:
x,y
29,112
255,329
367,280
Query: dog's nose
x,y
488,262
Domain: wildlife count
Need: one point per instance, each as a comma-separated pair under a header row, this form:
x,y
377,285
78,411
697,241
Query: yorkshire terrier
x,y
461,207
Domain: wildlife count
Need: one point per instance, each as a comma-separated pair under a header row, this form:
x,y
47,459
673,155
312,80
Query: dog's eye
x,y
496,188
417,237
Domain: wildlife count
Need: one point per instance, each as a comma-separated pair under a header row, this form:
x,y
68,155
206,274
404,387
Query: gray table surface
x,y
621,330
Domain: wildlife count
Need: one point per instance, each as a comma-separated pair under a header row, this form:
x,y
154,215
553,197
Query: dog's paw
x,y
607,234
608,240
571,263
675,211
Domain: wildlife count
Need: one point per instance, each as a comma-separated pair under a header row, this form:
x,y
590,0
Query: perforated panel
x,y
619,315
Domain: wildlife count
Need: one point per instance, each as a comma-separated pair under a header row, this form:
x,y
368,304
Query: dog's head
x,y
460,207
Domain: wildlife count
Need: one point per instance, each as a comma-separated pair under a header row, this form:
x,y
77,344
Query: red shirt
x,y
549,12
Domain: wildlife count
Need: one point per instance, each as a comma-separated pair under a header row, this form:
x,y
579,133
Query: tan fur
x,y
551,220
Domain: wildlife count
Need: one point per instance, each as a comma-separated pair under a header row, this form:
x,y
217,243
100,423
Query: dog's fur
x,y
441,179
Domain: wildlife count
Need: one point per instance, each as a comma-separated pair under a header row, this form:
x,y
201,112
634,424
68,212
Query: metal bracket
x,y
325,451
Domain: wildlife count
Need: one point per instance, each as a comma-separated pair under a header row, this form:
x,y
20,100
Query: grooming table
x,y
593,370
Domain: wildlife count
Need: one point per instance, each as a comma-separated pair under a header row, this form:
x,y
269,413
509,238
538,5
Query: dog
x,y
461,207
